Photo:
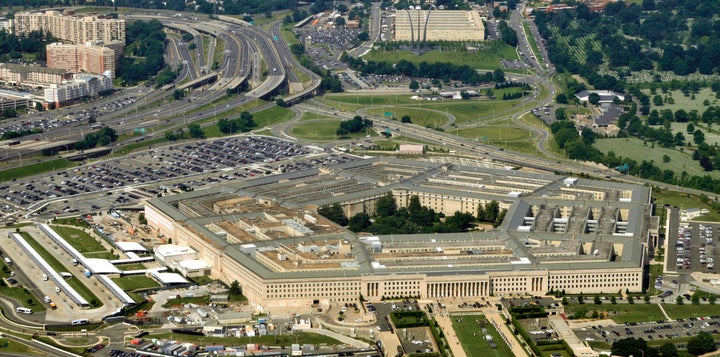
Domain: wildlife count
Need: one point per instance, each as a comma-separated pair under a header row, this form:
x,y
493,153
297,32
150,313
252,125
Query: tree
x,y
405,119
334,213
492,209
594,98
646,298
700,344
597,300
363,36
668,349
695,299
235,288
679,300
414,85
280,102
561,98
498,75
298,49
359,222
613,300
630,300
195,131
340,22
628,346
386,206
560,114
666,158
698,137
464,94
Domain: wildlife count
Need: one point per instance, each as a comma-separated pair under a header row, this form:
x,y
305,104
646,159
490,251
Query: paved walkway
x,y
562,329
445,323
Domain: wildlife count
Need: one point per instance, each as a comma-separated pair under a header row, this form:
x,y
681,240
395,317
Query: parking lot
x,y
692,248
151,172
661,330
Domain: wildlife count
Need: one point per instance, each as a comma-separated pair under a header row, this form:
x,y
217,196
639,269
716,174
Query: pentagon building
x,y
559,233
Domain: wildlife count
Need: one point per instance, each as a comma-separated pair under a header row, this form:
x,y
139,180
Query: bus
x,y
23,310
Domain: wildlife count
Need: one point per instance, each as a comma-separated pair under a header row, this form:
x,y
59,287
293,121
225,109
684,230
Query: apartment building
x,y
81,86
73,29
33,76
84,58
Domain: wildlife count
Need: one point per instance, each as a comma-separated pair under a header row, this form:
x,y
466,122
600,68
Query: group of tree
x,y
438,70
415,218
103,137
697,345
508,34
355,125
631,37
491,213
244,123
33,45
144,52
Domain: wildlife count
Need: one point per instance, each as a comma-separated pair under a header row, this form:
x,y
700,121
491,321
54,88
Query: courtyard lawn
x,y
620,313
80,240
468,329
131,283
636,149
486,58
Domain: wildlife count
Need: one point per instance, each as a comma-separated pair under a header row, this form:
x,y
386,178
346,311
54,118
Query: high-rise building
x,y
81,58
74,29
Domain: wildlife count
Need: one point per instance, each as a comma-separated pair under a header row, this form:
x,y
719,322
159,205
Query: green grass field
x,y
635,149
683,102
688,310
320,130
685,201
488,58
130,283
469,332
422,117
33,169
80,240
620,313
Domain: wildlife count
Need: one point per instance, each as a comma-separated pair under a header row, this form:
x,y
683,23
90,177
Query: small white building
x,y
692,213
193,267
170,254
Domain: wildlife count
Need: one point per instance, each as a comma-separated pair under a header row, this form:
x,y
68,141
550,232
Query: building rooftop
x,y
270,226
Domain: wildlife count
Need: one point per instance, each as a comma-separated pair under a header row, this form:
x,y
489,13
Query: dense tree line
x,y
146,40
415,218
508,34
439,70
